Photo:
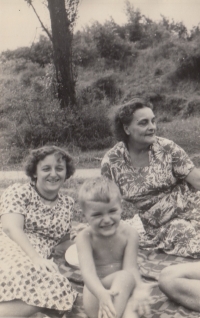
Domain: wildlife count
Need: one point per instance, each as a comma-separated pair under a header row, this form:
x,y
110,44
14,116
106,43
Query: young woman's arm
x,y
88,270
13,226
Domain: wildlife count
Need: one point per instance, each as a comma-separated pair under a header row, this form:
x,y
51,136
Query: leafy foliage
x,y
156,60
40,53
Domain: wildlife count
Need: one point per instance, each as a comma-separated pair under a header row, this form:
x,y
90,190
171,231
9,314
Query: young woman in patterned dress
x,y
35,217
157,180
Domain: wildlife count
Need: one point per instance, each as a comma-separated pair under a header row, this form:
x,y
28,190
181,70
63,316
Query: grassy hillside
x,y
158,61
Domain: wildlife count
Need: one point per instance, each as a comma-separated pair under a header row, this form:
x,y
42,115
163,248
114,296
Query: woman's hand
x,y
141,298
106,307
44,264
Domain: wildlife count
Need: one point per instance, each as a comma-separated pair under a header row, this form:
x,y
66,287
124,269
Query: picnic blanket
x,y
150,264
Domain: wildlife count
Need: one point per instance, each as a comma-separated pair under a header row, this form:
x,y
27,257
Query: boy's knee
x,y
127,278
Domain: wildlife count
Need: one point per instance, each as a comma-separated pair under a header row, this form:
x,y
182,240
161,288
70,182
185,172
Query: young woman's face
x,y
142,129
102,217
50,174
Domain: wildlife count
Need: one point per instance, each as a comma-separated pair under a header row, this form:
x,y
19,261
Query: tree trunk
x,y
62,48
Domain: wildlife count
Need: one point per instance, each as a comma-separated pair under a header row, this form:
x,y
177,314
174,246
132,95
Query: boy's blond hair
x,y
98,189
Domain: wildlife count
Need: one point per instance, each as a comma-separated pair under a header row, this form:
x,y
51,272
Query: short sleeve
x,y
71,213
13,200
105,168
181,163
69,203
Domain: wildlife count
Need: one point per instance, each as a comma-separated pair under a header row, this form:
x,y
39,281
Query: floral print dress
x,y
168,206
44,227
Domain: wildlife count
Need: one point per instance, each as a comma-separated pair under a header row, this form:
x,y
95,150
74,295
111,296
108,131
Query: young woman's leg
x,y
17,308
181,283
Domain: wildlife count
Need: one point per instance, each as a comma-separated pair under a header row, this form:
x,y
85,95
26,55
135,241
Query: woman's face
x,y
142,129
50,174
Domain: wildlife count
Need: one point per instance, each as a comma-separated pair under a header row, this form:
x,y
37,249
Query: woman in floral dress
x,y
157,180
35,217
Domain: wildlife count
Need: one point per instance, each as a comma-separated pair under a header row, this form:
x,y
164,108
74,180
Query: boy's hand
x,y
106,307
141,298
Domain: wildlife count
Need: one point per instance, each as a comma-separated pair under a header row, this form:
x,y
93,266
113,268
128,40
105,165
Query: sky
x,y
20,27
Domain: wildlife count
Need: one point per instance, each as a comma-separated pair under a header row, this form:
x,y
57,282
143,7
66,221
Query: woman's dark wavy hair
x,y
39,154
123,115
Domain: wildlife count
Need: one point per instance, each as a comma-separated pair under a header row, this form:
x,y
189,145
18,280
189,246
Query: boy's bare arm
x,y
86,262
131,253
90,277
142,291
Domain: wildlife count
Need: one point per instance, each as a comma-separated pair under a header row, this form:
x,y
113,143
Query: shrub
x,y
192,108
84,49
189,68
109,44
103,88
108,85
167,106
31,72
93,129
184,132
40,53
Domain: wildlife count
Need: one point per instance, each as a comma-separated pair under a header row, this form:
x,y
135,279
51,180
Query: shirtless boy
x,y
107,251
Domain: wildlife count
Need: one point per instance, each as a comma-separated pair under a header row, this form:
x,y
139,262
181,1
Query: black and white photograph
x,y
100,158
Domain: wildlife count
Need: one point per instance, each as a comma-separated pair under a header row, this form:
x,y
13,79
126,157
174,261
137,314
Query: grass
x,y
185,133
150,72
83,160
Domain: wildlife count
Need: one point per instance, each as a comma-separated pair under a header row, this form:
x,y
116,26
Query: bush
x,y
93,128
108,85
184,132
84,49
189,68
40,53
104,88
31,72
192,108
109,44
167,106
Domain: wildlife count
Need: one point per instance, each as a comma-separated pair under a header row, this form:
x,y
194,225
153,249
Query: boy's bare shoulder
x,y
84,234
128,230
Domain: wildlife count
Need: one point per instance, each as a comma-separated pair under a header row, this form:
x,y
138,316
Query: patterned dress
x,y
45,227
168,206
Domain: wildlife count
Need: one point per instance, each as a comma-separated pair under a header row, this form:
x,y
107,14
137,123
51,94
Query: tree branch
x,y
43,26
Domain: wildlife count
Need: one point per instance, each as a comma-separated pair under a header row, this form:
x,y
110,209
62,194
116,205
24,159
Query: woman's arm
x,y
13,226
194,178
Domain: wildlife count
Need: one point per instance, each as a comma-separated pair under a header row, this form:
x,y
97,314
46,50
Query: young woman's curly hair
x,y
123,115
39,154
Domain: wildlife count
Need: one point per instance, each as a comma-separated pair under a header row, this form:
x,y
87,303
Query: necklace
x,y
51,200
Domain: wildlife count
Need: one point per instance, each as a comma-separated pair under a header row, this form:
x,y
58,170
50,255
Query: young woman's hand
x,y
141,298
106,307
44,264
